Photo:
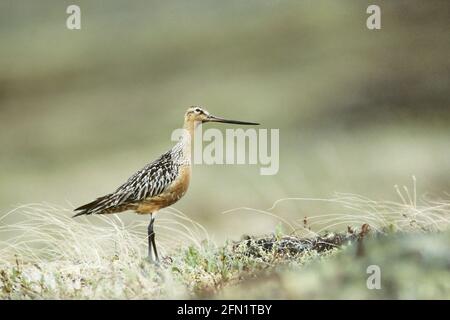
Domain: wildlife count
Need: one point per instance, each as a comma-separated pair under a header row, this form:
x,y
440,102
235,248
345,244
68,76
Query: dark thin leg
x,y
154,247
151,242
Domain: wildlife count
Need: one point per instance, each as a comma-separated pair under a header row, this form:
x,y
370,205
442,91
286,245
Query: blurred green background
x,y
358,110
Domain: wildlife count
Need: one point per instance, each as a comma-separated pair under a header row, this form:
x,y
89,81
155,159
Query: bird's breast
x,y
180,185
172,194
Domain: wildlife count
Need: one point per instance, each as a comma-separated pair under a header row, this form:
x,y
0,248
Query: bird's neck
x,y
188,136
189,127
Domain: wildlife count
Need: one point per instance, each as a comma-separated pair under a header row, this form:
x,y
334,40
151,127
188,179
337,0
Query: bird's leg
x,y
152,242
154,247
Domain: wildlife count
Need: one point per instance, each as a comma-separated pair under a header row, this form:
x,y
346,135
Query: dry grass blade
x,y
46,232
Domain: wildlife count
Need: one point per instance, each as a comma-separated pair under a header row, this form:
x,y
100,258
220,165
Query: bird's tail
x,y
98,206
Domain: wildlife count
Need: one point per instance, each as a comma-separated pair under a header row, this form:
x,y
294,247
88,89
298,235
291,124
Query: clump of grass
x,y
47,254
410,214
48,232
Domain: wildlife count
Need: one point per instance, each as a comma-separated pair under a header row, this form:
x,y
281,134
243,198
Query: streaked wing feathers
x,y
150,181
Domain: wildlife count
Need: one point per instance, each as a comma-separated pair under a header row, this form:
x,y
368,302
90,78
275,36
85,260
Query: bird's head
x,y
200,115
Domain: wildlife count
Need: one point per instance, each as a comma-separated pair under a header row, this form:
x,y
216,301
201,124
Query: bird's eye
x,y
198,110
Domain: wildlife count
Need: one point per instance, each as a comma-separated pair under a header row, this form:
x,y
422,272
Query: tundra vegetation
x,y
54,256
